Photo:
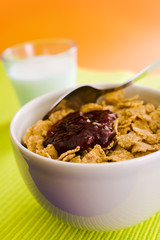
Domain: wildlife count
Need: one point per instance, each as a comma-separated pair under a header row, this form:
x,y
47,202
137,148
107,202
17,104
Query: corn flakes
x,y
58,115
155,121
137,129
119,154
69,152
113,98
49,151
90,107
128,140
96,155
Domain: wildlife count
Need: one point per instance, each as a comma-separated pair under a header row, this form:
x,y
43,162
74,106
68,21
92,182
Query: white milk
x,y
41,74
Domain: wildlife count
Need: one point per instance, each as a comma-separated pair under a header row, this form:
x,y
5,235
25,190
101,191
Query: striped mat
x,y
21,217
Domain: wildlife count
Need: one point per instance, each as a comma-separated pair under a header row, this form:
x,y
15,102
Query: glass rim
x,y
39,41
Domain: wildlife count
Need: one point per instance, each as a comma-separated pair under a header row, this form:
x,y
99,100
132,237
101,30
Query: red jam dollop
x,y
82,129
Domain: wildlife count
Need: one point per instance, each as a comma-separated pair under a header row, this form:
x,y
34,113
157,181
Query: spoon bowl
x,y
86,94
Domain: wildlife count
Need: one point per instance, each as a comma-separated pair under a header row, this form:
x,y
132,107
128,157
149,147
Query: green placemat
x,y
21,217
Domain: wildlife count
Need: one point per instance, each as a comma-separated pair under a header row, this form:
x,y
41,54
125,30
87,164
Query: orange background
x,y
110,35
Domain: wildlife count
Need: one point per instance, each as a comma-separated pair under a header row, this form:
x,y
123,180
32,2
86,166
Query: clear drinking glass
x,y
41,66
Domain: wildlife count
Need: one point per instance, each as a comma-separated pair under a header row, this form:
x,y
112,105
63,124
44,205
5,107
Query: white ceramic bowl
x,y
103,196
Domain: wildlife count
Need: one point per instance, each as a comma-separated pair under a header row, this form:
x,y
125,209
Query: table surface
x,y
21,217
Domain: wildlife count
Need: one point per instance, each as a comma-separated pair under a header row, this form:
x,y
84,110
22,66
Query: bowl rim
x,y
126,163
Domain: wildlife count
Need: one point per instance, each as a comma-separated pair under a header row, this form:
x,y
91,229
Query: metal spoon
x,y
86,94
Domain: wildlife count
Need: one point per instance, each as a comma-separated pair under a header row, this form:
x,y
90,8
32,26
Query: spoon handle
x,y
142,73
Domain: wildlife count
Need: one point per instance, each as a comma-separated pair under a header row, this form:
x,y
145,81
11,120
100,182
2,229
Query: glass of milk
x,y
41,66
